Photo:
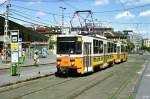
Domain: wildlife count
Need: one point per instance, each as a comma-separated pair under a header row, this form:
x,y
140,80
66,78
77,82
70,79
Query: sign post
x,y
14,51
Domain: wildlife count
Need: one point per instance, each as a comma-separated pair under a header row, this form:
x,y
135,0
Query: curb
x,y
139,79
26,80
29,65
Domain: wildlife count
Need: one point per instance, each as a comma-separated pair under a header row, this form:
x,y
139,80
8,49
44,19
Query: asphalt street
x,y
144,86
116,82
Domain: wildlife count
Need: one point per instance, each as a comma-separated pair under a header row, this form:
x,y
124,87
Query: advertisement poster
x,y
14,57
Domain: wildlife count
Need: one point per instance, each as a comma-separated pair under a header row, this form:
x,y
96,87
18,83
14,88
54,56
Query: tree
x,y
130,45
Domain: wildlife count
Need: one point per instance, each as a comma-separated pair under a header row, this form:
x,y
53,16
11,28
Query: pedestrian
x,y
23,55
36,57
2,55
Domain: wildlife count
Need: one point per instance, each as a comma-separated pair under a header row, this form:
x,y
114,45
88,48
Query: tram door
x,y
105,51
87,57
118,52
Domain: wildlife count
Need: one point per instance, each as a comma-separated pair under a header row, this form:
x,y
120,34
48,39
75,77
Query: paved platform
x,y
40,71
144,86
30,62
30,71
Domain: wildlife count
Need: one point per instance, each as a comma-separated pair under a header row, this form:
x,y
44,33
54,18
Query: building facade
x,y
136,39
146,42
26,35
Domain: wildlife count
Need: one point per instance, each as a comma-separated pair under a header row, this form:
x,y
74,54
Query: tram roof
x,y
77,35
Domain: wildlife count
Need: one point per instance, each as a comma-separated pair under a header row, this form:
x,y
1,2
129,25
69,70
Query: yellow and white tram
x,y
85,53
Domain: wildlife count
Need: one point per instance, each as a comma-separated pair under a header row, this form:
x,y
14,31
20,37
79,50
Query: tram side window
x,y
111,47
79,48
122,48
98,46
126,48
108,46
115,48
95,46
118,49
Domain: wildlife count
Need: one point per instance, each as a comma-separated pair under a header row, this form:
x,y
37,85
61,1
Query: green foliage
x,y
52,42
145,48
131,46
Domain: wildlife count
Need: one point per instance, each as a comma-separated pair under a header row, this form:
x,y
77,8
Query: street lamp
x,y
62,25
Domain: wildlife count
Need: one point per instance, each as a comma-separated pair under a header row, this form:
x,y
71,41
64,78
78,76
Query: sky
x,y
119,14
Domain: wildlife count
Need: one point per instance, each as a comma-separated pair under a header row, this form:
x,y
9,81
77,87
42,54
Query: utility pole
x,y
6,28
62,25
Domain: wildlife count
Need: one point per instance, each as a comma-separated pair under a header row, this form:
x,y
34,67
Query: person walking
x,y
36,57
23,57
2,55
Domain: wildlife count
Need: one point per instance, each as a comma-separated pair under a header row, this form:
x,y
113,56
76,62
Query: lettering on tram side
x,y
97,58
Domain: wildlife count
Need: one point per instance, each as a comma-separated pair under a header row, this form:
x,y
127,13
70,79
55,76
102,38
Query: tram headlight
x,y
58,63
72,63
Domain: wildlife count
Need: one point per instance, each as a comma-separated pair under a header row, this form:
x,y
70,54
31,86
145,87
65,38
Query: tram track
x,y
118,91
23,84
88,87
122,86
63,82
111,83
83,89
46,87
114,95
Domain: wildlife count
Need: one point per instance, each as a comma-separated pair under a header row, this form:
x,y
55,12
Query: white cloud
x,y
32,2
101,2
1,1
125,14
40,14
145,14
135,2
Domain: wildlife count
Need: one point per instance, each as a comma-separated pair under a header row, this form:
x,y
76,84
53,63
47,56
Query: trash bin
x,y
14,70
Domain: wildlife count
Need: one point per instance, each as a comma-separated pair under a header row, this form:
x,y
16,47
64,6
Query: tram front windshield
x,y
68,47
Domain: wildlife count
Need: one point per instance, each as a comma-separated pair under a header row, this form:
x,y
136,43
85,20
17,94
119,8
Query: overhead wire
x,y
3,3
75,8
115,11
118,10
126,11
123,6
69,5
24,13
35,10
23,20
93,12
78,9
107,11
2,15
27,15
54,19
29,18
38,0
